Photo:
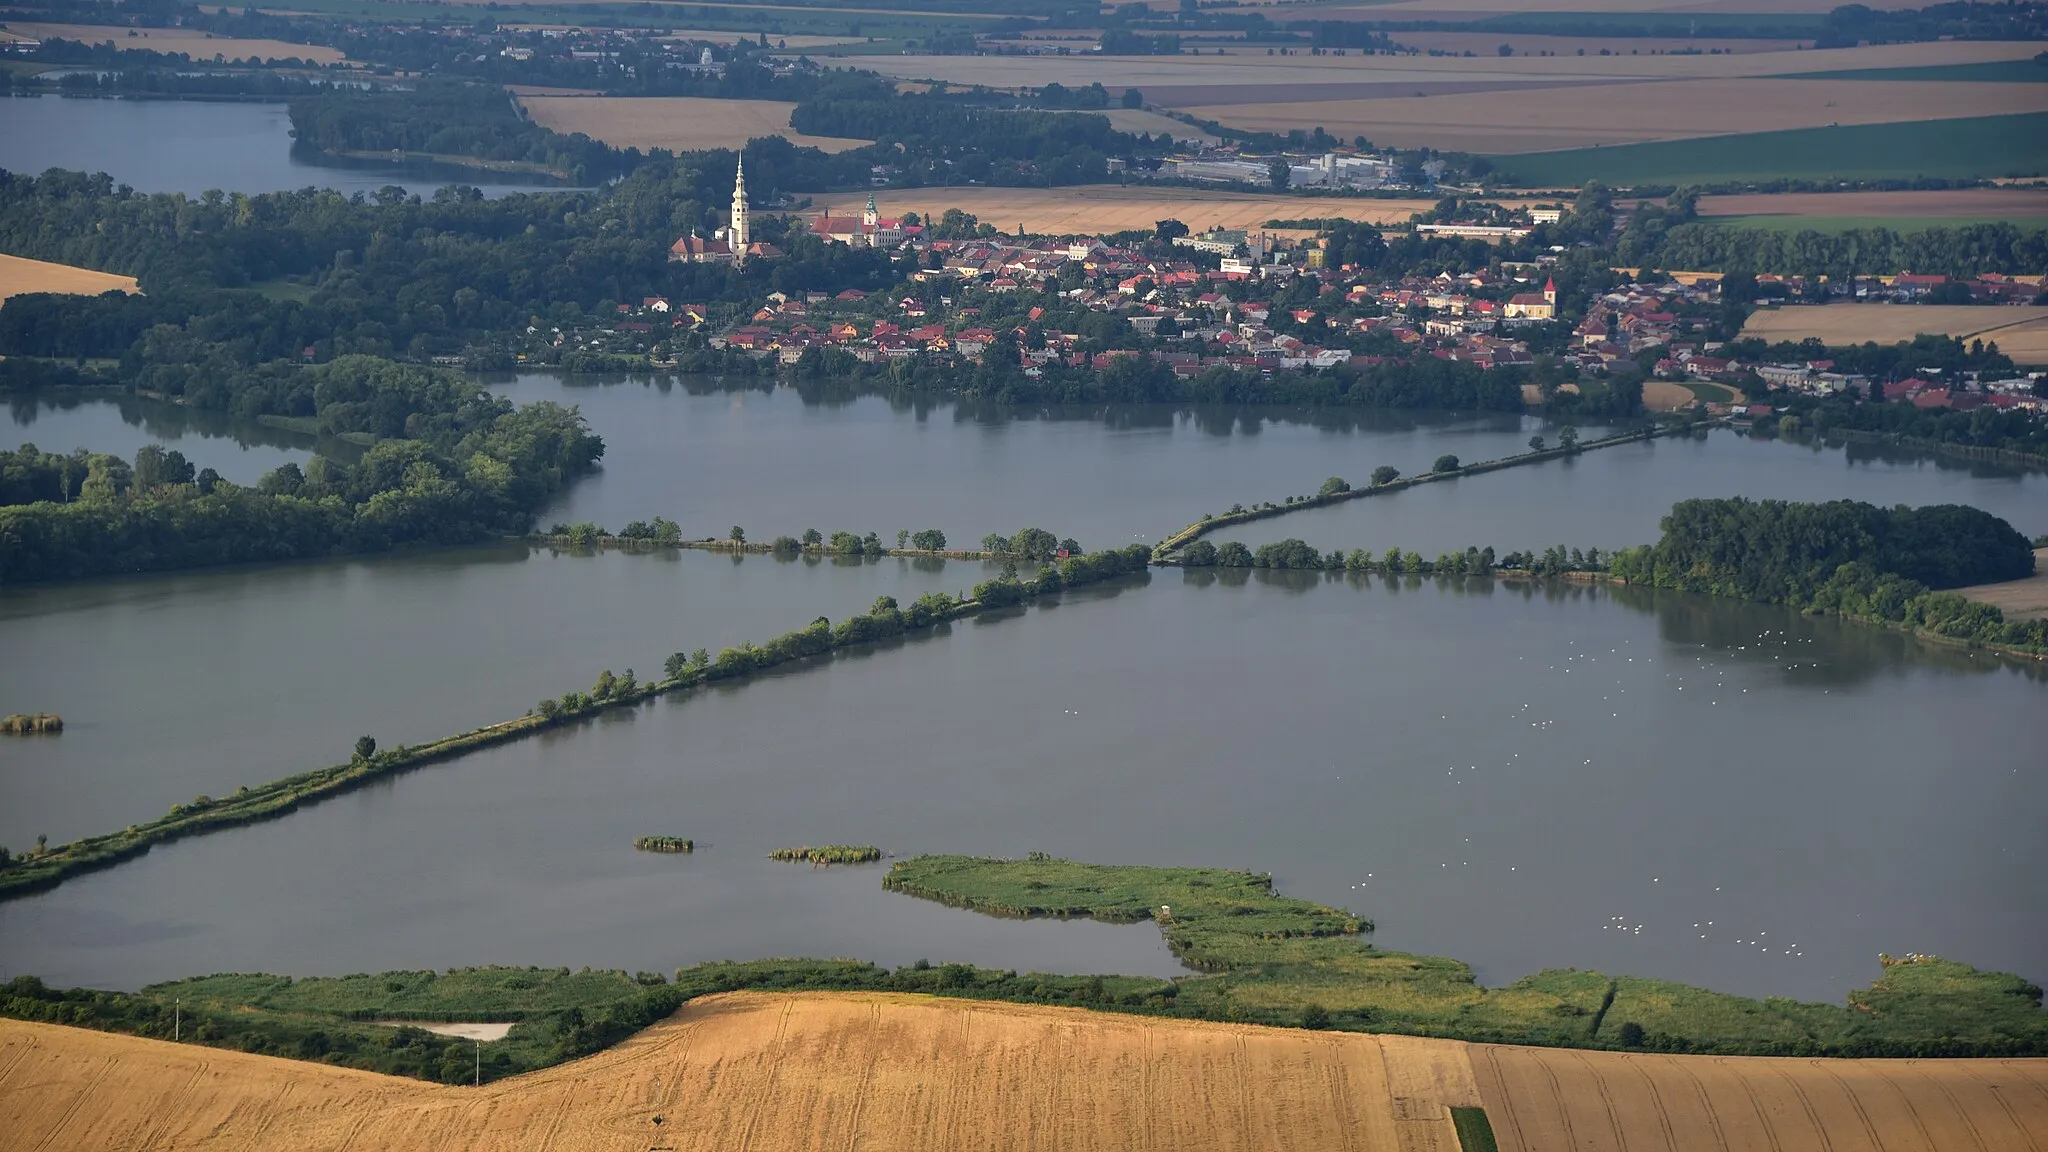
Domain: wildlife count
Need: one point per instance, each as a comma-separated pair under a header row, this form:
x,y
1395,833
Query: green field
x,y
1972,147
1834,224
1987,72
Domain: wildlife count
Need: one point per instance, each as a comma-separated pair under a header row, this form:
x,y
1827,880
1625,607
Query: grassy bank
x,y
1278,960
1265,959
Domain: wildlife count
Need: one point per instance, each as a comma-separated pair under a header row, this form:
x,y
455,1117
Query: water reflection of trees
x,y
167,422
1830,651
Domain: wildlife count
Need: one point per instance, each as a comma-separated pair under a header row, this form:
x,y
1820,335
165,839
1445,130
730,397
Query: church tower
x,y
737,233
870,215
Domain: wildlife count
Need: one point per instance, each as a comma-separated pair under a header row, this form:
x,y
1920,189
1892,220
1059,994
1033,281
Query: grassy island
x,y
21,724
830,854
665,844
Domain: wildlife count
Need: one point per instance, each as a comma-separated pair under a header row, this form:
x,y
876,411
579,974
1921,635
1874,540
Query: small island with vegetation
x,y
41,723
830,854
665,844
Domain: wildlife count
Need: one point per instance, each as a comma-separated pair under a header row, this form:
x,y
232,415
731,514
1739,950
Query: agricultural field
x,y
2019,599
1488,44
2020,331
1977,146
820,1070
19,276
1605,115
2023,206
198,45
1990,72
1480,9
1105,208
678,123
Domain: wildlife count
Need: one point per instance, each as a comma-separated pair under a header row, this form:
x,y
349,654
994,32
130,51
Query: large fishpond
x,y
1519,775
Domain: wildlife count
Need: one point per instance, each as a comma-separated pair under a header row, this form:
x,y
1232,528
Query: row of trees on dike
x,y
885,619
1300,555
473,467
661,531
1847,558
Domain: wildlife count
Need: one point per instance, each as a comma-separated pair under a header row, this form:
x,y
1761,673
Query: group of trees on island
x,y
1299,555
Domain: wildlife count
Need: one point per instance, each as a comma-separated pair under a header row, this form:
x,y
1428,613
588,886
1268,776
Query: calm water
x,y
179,146
240,450
777,461
1508,776
194,683
1607,755
1614,497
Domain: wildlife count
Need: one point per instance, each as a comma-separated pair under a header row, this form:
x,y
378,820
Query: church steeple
x,y
870,215
737,231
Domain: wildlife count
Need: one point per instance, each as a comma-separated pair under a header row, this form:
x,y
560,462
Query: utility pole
x,y
479,1065
177,1019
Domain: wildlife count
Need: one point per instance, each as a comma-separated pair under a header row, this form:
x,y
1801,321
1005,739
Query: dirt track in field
x,y
19,275
772,1072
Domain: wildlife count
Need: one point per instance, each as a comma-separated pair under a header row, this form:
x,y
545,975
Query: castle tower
x,y
870,216
737,233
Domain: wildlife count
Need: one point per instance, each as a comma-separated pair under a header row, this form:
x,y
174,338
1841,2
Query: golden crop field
x,y
678,123
1477,9
19,275
1576,117
1971,203
774,1072
2019,599
2021,331
1104,208
1545,1098
198,45
1488,43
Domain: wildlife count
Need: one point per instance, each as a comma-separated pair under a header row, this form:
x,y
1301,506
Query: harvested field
x,y
19,275
874,1070
1252,66
1595,1101
198,45
1139,120
2019,599
678,123
1488,43
1479,9
2021,331
1102,208
1577,117
1665,396
2016,204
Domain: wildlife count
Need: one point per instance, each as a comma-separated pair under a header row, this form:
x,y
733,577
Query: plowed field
x,y
865,1070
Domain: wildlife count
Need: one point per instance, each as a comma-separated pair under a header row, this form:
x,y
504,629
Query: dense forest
x,y
1844,557
465,465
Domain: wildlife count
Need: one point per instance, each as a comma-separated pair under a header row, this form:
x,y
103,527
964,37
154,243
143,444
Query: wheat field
x,y
20,275
2021,331
1097,209
199,45
678,123
818,1070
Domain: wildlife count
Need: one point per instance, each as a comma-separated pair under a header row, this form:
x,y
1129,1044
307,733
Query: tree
x,y
902,537
1385,474
1335,485
676,664
1631,1034
1133,98
1568,438
700,659
1315,1016
995,543
1445,463
366,747
813,538
739,534
1280,174
929,540
549,709
1535,443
